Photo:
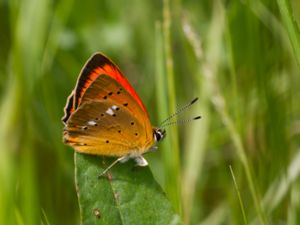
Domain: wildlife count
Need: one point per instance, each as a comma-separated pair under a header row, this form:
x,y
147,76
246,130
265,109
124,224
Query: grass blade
x,y
291,27
171,159
239,196
197,135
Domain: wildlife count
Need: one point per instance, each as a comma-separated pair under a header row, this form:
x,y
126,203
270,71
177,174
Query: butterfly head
x,y
159,134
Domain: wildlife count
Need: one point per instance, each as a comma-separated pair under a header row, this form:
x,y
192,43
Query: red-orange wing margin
x,y
97,65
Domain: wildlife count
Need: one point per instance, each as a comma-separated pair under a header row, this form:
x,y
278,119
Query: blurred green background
x,y
240,57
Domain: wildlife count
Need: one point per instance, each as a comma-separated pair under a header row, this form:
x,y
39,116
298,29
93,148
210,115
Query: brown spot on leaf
x,y
109,177
97,213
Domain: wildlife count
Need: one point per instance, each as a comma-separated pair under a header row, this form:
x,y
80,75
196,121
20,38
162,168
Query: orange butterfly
x,y
105,116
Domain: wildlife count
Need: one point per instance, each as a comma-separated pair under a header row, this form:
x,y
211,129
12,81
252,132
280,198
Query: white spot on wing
x,y
114,107
92,123
110,111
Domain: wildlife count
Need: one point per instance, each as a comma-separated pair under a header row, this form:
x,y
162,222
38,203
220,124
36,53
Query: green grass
x,y
241,58
239,196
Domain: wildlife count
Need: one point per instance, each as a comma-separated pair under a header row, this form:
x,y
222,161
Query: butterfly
x,y
105,116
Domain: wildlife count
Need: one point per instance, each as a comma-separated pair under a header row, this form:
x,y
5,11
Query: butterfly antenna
x,y
179,111
180,122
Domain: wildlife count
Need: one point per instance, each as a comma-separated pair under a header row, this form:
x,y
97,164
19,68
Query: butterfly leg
x,y
121,159
141,161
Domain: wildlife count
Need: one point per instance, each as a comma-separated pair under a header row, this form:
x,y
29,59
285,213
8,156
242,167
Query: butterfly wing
x,y
109,121
69,109
106,88
96,66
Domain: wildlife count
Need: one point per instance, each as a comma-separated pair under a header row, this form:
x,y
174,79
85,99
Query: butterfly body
x,y
105,116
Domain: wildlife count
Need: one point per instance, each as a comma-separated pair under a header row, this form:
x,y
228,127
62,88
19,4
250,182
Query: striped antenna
x,y
180,122
178,112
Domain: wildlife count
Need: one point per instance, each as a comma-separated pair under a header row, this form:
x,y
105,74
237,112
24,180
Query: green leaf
x,y
127,195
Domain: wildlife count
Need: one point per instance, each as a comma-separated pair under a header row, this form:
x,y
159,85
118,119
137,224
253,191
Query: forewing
x,y
106,88
95,67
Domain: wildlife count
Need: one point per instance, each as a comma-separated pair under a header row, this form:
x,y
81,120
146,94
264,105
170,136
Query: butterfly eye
x,y
159,134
